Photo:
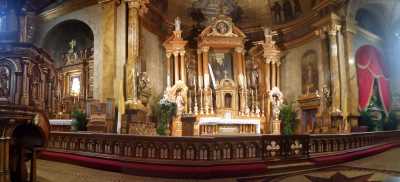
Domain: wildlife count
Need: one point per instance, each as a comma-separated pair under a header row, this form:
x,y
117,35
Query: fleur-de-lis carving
x,y
296,147
273,148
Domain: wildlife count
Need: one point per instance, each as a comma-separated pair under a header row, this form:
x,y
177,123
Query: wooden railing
x,y
212,150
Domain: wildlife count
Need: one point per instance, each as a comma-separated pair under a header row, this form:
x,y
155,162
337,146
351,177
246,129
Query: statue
x,y
144,87
72,55
276,97
177,24
180,102
4,82
254,76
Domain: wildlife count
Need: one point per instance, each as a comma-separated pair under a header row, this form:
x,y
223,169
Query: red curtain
x,y
370,68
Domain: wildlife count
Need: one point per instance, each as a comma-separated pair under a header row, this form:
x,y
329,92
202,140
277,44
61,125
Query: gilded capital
x,y
176,53
239,49
182,53
139,5
168,55
205,49
333,29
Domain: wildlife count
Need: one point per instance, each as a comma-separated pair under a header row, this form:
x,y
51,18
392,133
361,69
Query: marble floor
x,y
381,167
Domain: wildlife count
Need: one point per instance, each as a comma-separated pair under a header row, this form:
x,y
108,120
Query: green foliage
x,y
390,122
366,120
288,118
167,111
80,120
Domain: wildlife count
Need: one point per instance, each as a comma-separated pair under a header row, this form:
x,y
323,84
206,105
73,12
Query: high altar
x,y
222,92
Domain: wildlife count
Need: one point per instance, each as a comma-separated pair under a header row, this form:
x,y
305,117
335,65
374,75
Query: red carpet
x,y
336,159
158,170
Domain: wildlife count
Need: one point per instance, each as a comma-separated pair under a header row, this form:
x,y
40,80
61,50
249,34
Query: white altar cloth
x,y
218,120
60,122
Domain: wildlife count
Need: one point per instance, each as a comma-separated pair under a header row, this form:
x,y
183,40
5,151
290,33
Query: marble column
x,y
108,31
168,68
182,66
176,67
4,158
352,83
133,50
334,66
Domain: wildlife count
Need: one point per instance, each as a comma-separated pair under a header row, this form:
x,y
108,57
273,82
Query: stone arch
x,y
56,41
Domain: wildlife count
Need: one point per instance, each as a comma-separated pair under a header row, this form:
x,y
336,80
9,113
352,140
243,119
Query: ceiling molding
x,y
65,8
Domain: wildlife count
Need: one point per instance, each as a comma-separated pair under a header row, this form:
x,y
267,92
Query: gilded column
x,y
176,67
206,76
334,66
273,74
278,74
183,66
207,91
199,69
108,29
244,71
168,66
241,79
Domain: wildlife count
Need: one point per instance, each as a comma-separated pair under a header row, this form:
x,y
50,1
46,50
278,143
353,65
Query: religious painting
x,y
4,82
75,88
221,66
309,71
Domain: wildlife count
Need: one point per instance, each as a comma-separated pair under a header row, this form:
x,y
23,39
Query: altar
x,y
229,126
224,89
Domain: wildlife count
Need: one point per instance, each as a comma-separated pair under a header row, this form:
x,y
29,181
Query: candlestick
x,y
201,102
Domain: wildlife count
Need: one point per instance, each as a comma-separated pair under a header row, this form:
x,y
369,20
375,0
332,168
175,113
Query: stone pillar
x,y
334,66
108,31
176,67
168,66
183,66
4,159
199,69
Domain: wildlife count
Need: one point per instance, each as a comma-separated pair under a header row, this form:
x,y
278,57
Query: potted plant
x,y
79,120
288,118
167,111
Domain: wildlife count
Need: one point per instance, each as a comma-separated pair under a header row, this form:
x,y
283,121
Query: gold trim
x,y
65,8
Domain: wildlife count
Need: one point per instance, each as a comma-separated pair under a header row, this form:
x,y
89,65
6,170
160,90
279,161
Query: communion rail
x,y
213,150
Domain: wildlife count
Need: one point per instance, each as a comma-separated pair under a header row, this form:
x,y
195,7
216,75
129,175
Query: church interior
x,y
193,90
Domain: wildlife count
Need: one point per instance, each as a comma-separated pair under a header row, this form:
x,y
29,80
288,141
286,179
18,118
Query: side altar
x,y
222,91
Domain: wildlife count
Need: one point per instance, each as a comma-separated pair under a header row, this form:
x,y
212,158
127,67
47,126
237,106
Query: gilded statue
x,y
4,82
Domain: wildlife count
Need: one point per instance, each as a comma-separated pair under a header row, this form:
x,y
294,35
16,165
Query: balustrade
x,y
218,149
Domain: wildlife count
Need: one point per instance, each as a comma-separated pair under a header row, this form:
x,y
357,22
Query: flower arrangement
x,y
167,111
